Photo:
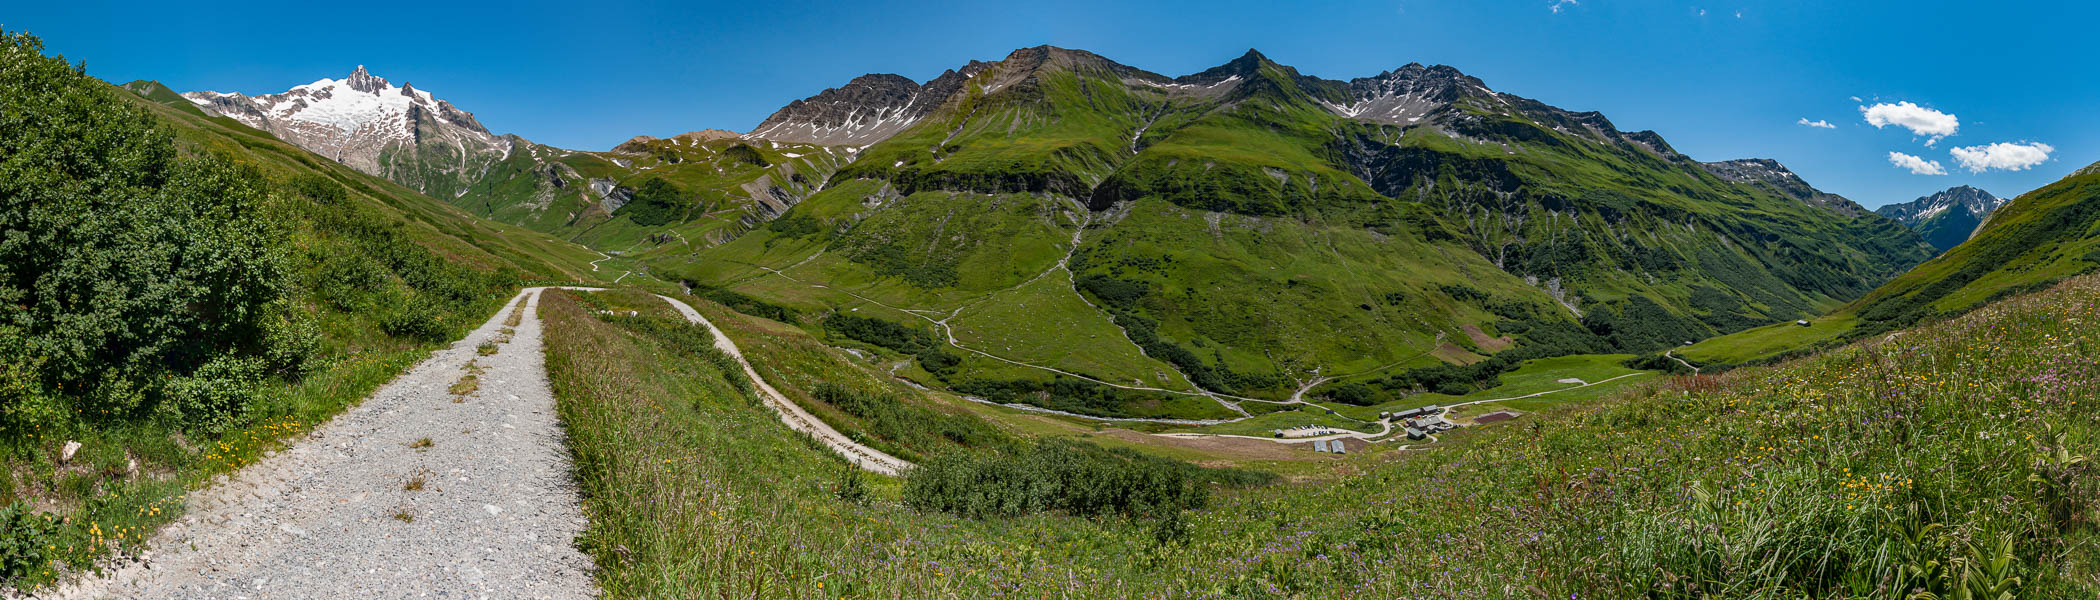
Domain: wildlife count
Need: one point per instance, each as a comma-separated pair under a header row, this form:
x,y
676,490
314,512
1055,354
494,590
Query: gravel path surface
x,y
792,414
496,514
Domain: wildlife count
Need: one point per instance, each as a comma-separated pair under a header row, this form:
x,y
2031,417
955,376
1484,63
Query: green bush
x,y
122,262
416,318
795,224
24,541
906,429
217,396
26,406
1061,475
744,304
292,342
908,340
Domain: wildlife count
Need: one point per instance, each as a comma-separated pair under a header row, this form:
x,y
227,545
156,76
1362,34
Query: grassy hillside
x,y
1951,461
191,292
712,189
1247,238
2032,242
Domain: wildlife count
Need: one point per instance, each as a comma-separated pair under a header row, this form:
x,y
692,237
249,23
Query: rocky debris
x,y
65,454
639,145
1776,178
611,195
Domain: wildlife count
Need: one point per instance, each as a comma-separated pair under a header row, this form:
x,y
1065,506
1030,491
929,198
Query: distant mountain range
x,y
1947,218
1237,229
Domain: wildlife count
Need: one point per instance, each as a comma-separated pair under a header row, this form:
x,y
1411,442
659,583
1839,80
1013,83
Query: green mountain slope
x,y
720,187
2026,243
453,233
2032,241
1258,229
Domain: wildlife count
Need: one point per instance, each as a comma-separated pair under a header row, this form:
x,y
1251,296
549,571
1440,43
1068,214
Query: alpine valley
x,y
1094,237
1045,326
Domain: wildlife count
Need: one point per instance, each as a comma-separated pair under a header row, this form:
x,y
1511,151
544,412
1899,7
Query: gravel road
x,y
792,414
496,514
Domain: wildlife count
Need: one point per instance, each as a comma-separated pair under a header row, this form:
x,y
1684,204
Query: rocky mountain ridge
x,y
363,121
1945,218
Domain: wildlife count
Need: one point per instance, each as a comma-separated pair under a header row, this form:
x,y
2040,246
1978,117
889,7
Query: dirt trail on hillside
x,y
792,414
496,514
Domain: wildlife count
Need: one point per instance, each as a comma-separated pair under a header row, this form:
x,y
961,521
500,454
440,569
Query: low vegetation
x,y
1877,470
1068,477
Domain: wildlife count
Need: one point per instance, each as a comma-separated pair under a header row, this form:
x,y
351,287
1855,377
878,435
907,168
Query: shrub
x,y
795,224
904,428
292,341
908,340
217,396
1355,394
744,304
1061,475
123,261
25,404
24,541
417,318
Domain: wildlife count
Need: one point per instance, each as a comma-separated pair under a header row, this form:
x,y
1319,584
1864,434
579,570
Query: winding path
x,y
792,414
416,492
1672,353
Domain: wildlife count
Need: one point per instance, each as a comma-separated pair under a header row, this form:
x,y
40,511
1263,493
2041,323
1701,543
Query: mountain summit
x,y
1947,218
400,133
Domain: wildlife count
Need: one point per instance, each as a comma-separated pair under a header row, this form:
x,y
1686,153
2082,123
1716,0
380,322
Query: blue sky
x,y
1718,79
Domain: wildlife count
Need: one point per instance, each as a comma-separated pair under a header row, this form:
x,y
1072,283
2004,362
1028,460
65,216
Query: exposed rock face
x,y
400,133
640,144
1769,174
1947,218
1407,95
869,109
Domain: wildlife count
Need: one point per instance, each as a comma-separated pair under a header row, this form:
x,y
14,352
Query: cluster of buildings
x,y
1303,431
1419,422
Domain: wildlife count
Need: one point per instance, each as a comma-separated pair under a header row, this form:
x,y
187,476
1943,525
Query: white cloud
x,y
1918,119
1702,12
1817,123
1917,166
1739,14
1558,4
1856,99
2002,155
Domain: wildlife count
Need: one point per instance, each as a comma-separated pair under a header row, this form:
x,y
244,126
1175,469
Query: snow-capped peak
x,y
356,119
361,104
